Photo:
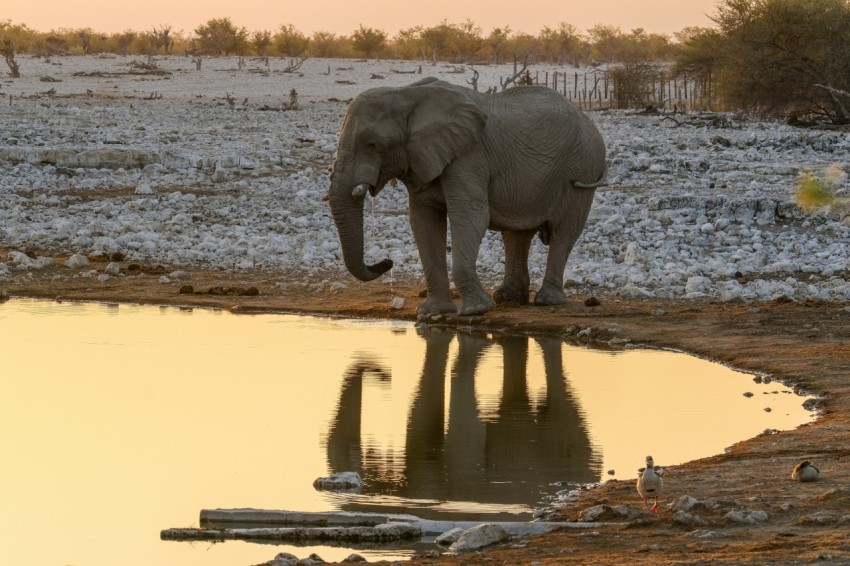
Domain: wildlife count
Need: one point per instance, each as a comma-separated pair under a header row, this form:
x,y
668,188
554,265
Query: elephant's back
x,y
535,128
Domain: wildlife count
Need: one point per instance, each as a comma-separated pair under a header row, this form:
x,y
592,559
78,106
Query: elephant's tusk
x,y
603,179
360,190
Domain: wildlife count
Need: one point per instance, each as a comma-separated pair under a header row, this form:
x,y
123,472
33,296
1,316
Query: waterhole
x,y
121,421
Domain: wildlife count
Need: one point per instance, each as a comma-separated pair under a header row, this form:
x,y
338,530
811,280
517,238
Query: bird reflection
x,y
506,459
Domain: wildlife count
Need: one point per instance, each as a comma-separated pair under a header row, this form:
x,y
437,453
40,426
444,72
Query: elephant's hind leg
x,y
564,235
514,288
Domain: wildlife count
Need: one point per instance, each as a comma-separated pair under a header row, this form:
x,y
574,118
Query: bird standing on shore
x,y
649,484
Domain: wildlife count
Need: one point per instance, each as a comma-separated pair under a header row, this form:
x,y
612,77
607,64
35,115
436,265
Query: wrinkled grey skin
x,y
523,161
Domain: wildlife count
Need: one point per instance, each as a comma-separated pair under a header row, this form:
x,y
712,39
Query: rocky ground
x,y
200,188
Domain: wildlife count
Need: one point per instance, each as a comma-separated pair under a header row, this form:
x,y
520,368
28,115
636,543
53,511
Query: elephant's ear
x,y
443,124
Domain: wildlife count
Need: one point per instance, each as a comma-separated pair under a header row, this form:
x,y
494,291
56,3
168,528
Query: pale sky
x,y
344,16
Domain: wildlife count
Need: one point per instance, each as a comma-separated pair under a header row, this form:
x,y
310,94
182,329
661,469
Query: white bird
x,y
805,472
649,484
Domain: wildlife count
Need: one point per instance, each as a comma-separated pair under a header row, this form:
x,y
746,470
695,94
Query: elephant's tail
x,y
603,180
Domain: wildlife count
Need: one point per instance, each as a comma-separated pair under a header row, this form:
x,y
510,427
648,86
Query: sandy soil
x,y
804,345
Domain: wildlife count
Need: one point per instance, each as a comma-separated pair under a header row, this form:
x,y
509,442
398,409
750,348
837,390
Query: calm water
x,y
119,422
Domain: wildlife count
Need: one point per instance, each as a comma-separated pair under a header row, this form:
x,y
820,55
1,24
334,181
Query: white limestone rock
x,y
77,261
479,537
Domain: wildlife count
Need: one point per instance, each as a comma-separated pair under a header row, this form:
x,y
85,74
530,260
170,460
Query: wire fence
x,y
598,89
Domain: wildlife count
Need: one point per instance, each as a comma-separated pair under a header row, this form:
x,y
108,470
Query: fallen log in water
x,y
308,524
388,532
228,517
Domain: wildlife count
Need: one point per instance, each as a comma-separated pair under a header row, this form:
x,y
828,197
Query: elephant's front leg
x,y
515,286
468,224
429,231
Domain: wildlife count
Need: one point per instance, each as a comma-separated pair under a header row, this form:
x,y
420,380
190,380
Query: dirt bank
x,y
803,345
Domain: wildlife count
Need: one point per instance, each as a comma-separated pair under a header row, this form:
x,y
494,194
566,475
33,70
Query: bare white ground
x,y
206,168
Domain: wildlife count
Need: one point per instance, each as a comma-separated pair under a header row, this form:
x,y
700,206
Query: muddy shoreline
x,y
804,345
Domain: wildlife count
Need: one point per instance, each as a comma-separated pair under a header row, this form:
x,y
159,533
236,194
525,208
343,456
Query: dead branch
x,y
837,96
474,81
294,65
512,79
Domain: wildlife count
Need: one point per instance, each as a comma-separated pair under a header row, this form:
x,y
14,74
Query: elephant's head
x,y
411,133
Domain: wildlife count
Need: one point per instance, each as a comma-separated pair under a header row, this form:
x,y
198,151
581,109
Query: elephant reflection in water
x,y
504,460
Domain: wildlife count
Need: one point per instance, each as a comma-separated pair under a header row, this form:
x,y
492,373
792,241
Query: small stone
x,y
339,482
746,517
397,303
683,503
449,537
187,290
658,312
767,409
748,394
479,537
113,268
354,557
689,520
164,279
592,302
820,518
283,559
77,261
611,472
118,256
104,277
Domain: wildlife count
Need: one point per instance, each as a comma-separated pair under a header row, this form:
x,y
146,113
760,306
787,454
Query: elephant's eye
x,y
372,146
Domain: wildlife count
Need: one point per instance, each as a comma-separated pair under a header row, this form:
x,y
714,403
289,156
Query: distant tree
x,y
121,43
161,39
290,41
786,57
561,45
408,43
328,44
221,36
451,42
497,44
368,42
261,40
698,56
8,51
607,42
468,40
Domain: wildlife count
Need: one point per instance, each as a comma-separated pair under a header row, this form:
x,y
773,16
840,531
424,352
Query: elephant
x,y
524,161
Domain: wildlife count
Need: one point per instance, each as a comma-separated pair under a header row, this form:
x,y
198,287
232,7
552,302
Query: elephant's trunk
x,y
347,210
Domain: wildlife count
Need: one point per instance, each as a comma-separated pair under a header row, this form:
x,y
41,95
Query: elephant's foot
x,y
549,295
511,294
434,305
478,303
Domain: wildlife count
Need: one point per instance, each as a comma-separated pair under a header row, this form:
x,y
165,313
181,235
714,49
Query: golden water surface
x,y
120,421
